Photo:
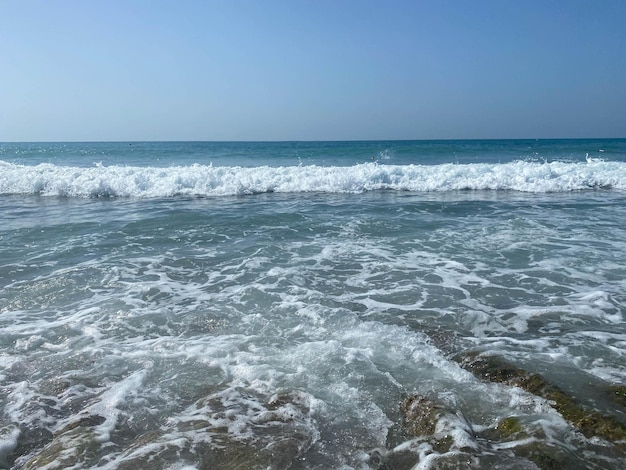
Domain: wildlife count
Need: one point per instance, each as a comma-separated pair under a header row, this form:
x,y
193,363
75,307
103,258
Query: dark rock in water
x,y
510,427
275,435
512,443
230,430
545,457
505,430
618,394
421,415
221,453
29,439
432,426
589,422
74,445
87,421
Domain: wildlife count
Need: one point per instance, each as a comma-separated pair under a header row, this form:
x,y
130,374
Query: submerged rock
x,y
438,434
618,395
232,429
421,415
589,422
443,439
509,427
27,439
224,432
75,445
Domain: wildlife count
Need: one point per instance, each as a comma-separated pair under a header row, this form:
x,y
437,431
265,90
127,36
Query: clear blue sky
x,y
311,70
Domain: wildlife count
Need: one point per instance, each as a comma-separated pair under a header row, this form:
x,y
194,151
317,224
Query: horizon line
x,y
302,140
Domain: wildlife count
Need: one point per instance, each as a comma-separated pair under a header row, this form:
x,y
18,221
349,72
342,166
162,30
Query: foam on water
x,y
179,329
203,180
136,359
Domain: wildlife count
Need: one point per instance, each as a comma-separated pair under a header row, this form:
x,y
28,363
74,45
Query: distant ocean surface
x,y
312,305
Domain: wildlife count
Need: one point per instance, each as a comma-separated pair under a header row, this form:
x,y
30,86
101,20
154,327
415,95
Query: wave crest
x,y
207,180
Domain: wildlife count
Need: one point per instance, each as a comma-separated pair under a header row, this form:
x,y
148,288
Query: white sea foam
x,y
207,180
8,442
191,318
108,403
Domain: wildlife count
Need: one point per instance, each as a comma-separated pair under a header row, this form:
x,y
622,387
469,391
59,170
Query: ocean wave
x,y
208,180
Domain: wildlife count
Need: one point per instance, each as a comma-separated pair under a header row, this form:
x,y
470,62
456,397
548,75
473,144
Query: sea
x,y
274,305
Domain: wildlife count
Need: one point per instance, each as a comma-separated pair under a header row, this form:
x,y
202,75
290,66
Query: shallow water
x,y
288,328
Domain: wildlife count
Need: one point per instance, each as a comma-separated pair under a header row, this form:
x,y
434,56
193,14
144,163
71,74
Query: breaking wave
x,y
210,181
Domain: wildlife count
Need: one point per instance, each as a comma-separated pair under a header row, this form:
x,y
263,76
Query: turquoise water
x,y
311,153
186,305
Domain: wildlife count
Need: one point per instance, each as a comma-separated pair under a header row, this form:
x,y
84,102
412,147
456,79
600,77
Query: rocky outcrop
x,y
589,422
443,439
618,395
73,445
216,433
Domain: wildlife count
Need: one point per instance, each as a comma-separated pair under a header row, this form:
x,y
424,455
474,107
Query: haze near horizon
x,y
304,70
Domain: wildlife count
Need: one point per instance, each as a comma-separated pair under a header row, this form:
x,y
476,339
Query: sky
x,y
133,70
